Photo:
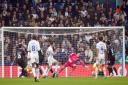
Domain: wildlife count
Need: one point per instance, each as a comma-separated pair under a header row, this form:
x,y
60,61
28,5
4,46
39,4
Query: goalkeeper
x,y
73,58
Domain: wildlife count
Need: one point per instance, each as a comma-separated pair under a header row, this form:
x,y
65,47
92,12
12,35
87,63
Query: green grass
x,y
66,81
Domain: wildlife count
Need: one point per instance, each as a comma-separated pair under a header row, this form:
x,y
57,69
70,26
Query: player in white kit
x,y
100,56
33,57
50,59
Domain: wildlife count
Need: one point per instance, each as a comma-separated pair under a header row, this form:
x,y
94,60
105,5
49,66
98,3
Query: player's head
x,y
19,45
100,38
34,37
50,41
108,42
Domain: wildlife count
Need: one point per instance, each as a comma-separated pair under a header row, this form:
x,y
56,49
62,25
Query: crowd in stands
x,y
62,13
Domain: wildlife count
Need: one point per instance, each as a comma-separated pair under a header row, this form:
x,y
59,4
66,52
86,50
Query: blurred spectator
x,y
118,10
62,54
60,13
88,55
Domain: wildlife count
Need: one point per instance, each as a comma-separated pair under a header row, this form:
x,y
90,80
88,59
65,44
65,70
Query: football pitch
x,y
65,81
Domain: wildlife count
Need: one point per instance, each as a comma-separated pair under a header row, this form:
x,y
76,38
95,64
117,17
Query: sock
x,y
104,71
48,71
37,73
56,67
34,72
96,72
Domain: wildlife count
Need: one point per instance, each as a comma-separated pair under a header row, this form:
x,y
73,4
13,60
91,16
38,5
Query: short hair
x,y
50,41
34,37
19,45
108,42
101,38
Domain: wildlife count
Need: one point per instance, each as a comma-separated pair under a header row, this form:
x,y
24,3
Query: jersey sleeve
x,y
105,46
52,52
28,49
38,46
97,46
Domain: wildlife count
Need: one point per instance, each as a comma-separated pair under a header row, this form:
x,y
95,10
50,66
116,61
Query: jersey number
x,y
33,48
102,50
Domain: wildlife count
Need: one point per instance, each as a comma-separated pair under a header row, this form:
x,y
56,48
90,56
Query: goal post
x,y
85,36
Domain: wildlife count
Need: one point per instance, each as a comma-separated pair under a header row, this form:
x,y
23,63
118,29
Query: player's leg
x,y
73,66
114,69
110,70
103,65
56,64
64,66
49,67
35,66
97,67
37,70
34,71
83,63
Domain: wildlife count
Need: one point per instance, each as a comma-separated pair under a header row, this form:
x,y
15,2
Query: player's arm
x,y
85,53
39,49
46,55
91,56
106,52
53,52
28,49
97,51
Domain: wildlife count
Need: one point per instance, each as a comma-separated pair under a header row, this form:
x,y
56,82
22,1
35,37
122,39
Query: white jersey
x,y
33,46
50,52
101,46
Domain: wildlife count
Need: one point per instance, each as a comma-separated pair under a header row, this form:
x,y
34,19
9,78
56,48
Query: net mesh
x,y
65,42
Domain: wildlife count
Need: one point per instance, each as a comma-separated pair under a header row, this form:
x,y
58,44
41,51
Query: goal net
x,y
66,41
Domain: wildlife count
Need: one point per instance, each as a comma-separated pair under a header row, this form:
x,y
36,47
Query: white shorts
x,y
100,59
51,61
34,58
